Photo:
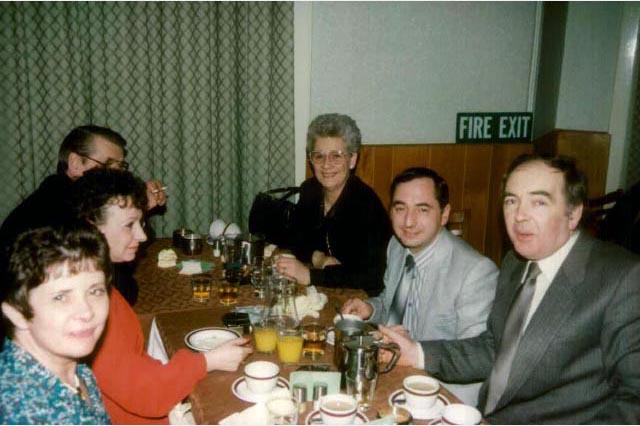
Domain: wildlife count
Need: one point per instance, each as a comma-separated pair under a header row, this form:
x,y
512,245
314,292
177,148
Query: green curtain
x,y
203,93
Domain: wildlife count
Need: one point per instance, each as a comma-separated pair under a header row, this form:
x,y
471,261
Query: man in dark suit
x,y
563,338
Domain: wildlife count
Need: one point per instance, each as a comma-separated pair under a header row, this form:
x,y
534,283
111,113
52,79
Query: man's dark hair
x,y
80,140
441,187
575,182
99,188
37,255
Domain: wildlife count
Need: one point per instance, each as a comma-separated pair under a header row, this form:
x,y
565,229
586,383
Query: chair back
x,y
459,222
597,209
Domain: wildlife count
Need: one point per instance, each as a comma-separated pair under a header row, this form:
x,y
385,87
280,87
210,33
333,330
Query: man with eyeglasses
x,y
84,148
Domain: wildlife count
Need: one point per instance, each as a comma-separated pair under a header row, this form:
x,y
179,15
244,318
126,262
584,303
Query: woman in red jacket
x,y
136,388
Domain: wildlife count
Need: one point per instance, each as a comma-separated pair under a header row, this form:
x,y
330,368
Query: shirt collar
x,y
422,256
550,265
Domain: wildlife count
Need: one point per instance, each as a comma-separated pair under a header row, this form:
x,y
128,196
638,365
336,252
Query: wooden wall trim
x,y
473,172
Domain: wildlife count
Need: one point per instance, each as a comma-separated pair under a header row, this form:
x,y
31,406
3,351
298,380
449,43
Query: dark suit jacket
x,y
579,358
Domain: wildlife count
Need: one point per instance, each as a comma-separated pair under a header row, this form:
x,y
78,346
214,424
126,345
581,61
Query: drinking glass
x,y
314,337
283,411
201,288
259,279
289,345
228,292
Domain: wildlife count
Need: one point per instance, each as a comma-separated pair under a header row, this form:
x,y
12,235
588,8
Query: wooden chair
x,y
597,209
459,223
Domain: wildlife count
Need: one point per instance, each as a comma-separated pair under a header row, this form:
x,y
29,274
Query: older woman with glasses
x,y
55,303
341,228
136,388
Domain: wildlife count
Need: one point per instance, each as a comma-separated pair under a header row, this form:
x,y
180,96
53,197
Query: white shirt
x,y
549,267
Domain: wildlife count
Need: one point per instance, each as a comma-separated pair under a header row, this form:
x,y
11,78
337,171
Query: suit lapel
x,y
555,308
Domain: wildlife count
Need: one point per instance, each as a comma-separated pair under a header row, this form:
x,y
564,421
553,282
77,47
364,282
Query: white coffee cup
x,y
461,414
421,392
338,409
261,376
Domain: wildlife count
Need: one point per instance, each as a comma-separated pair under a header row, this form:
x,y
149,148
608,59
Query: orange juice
x,y
289,347
266,339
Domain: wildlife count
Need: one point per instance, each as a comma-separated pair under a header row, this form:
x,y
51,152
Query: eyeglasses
x,y
334,157
110,163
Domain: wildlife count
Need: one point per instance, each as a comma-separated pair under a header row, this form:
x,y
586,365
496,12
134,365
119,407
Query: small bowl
x,y
192,244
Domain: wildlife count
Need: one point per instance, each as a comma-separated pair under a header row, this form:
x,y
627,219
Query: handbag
x,y
272,215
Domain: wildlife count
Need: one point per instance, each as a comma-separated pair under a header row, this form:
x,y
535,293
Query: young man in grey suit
x,y
562,343
447,289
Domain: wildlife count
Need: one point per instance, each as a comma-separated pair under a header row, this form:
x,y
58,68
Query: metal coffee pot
x,y
361,355
344,330
361,366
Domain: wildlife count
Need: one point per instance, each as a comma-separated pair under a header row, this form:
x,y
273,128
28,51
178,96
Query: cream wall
x,y
404,69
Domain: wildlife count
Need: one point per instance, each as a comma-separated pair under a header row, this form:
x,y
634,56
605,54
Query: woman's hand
x,y
293,269
229,355
320,260
155,194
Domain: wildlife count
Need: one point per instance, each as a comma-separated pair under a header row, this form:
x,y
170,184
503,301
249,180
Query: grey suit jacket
x,y
455,306
578,360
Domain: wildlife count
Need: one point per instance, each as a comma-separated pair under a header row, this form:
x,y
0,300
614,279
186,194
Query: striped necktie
x,y
399,303
511,338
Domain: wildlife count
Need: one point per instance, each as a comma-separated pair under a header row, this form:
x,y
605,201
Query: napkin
x,y
167,258
311,304
191,267
257,414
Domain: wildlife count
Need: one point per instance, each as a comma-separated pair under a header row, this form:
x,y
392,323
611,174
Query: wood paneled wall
x,y
474,174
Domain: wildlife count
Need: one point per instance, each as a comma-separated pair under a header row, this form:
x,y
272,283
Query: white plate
x,y
207,338
315,418
241,390
433,413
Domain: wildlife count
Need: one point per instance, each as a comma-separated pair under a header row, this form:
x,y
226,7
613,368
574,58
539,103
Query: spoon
x,y
339,312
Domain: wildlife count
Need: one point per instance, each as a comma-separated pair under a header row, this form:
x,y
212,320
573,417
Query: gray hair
x,y
334,125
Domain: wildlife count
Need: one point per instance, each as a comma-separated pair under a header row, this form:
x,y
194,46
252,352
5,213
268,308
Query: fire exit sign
x,y
493,126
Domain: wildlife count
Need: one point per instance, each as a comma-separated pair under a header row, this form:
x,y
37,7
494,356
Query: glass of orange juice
x,y
266,336
289,345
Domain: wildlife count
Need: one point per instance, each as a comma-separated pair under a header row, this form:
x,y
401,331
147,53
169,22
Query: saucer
x,y
207,338
241,390
433,413
315,418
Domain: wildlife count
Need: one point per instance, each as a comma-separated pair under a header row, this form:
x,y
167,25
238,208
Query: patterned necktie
x,y
399,302
510,339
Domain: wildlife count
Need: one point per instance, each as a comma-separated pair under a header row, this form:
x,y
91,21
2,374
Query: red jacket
x,y
136,388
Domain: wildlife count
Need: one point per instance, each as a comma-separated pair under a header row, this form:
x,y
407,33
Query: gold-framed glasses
x,y
333,157
110,163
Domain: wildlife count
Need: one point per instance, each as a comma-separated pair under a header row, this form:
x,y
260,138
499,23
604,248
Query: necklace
x,y
78,389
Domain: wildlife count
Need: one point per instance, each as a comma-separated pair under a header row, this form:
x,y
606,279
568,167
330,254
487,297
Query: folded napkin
x,y
311,304
191,267
167,258
257,414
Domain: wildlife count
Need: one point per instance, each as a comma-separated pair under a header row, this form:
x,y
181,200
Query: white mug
x,y
421,392
461,414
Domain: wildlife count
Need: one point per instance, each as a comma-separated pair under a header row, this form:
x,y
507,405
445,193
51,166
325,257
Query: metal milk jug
x,y
361,366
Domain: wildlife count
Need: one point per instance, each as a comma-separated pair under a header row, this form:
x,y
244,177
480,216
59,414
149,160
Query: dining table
x,y
166,296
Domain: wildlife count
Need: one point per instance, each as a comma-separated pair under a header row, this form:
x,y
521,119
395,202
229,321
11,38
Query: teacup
x,y
261,376
338,409
421,392
461,414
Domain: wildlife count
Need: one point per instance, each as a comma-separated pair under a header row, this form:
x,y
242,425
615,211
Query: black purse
x,y
272,215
